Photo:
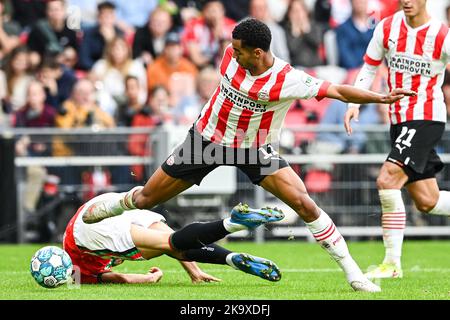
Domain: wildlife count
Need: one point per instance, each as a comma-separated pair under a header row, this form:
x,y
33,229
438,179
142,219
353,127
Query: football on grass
x,y
51,267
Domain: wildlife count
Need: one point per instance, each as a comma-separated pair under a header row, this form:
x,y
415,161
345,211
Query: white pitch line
x,y
323,270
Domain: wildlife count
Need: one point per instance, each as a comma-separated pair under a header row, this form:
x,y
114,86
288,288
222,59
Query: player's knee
x,y
382,182
425,205
387,180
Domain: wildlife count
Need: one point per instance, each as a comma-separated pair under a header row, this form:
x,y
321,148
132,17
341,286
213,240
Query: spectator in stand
x,y
9,32
182,11
110,73
260,10
150,39
189,107
161,109
27,12
57,79
135,14
236,9
138,144
80,111
202,36
97,37
35,114
322,13
17,77
304,36
132,106
51,35
353,36
170,62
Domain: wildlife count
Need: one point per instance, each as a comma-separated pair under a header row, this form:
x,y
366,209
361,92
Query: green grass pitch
x,y
308,274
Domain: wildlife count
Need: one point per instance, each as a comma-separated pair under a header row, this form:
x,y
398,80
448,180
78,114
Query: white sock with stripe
x,y
393,223
329,238
123,203
443,205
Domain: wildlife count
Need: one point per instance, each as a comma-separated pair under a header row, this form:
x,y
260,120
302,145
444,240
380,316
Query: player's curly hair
x,y
253,33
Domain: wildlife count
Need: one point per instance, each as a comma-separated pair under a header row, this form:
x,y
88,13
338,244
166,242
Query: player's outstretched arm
x,y
351,94
154,275
196,274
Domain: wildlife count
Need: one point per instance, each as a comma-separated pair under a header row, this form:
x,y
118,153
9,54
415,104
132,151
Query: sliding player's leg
x,y
195,242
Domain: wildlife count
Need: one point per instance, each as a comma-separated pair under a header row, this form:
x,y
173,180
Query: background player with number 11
x,y
417,50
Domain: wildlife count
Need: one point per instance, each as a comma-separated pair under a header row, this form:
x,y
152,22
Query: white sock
x,y
443,205
229,261
393,223
126,202
123,202
329,238
232,227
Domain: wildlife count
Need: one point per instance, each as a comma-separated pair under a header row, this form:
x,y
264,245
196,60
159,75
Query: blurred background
x,y
94,95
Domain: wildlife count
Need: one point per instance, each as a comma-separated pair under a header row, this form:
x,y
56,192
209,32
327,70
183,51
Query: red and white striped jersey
x,y
416,59
248,111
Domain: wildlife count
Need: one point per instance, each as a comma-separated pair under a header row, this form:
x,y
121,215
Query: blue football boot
x,y
252,218
257,266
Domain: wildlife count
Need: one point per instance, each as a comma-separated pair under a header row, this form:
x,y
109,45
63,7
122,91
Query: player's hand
x,y
155,274
200,276
396,95
352,113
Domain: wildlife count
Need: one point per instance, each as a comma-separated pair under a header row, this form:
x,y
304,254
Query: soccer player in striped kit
x,y
417,50
237,126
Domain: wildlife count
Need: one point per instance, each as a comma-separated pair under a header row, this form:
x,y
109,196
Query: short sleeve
x,y
301,85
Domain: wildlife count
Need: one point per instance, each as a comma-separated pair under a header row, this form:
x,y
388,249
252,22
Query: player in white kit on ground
x,y
237,126
417,50
143,234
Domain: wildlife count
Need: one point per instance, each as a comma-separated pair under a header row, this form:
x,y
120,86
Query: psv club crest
x,y
263,95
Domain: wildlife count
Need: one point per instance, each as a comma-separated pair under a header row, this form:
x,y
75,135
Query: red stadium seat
x,y
318,181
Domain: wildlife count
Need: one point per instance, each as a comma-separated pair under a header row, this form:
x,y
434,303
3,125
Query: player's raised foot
x,y
252,218
365,285
99,211
384,271
257,266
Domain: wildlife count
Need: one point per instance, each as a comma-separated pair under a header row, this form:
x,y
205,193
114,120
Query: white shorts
x,y
112,234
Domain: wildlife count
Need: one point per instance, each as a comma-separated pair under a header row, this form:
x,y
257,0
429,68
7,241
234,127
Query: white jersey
x,y
248,111
112,236
416,59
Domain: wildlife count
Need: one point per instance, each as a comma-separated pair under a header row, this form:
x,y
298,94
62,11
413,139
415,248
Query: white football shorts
x,y
112,234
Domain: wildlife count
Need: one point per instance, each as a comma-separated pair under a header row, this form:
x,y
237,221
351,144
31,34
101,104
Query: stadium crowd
x,y
84,63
